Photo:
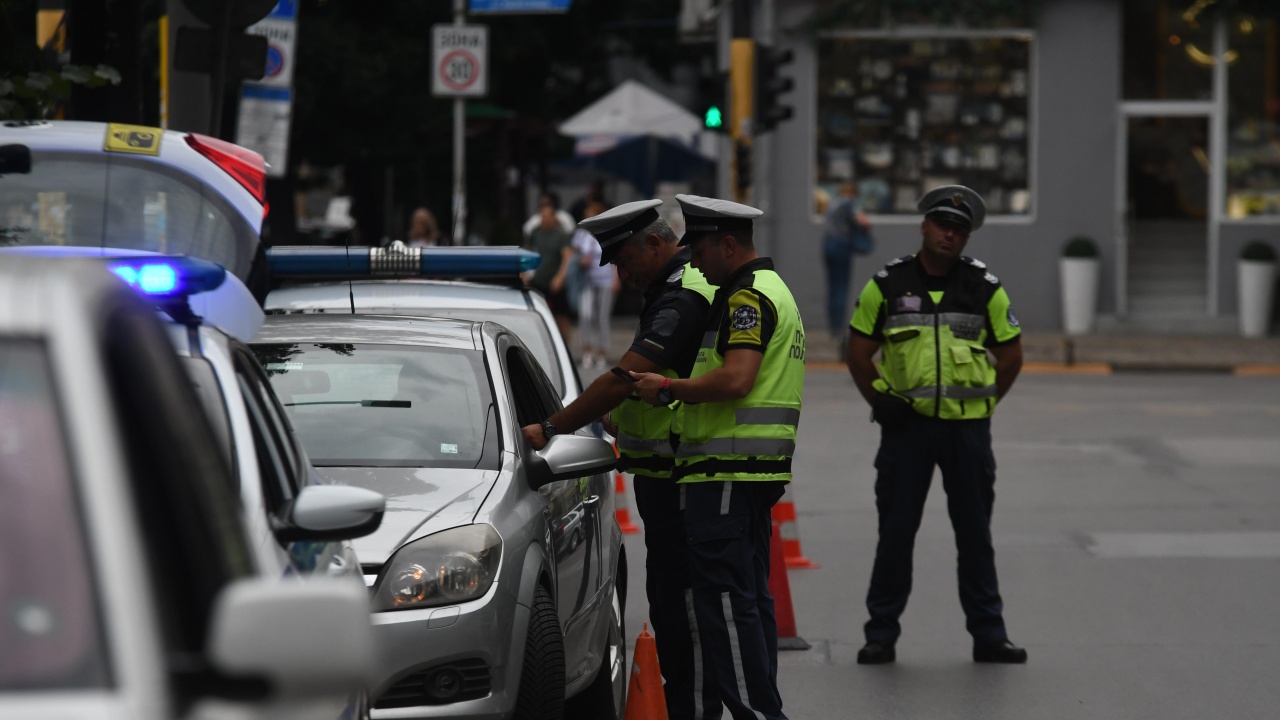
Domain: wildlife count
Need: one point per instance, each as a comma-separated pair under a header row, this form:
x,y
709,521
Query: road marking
x,y
1186,545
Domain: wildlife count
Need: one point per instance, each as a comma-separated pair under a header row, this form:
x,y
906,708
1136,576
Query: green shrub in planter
x,y
1080,247
1258,250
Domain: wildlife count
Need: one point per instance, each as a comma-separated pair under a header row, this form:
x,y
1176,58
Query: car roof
x,y
407,293
374,329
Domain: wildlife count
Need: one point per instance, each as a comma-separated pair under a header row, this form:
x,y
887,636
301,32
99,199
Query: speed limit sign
x,y
461,60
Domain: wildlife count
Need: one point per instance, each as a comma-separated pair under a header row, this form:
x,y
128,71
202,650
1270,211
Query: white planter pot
x,y
1079,278
1255,285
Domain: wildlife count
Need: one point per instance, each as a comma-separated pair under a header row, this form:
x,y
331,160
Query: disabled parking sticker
x,y
135,139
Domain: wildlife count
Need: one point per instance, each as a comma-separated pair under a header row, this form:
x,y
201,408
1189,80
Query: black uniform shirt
x,y
672,319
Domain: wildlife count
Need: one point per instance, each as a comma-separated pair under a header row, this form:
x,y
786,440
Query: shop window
x,y
1168,50
1253,118
903,115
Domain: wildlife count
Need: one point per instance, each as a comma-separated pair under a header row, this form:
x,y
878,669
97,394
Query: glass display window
x,y
903,115
1253,118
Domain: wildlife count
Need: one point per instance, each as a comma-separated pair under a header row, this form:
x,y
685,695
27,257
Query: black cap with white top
x,y
612,227
703,215
955,205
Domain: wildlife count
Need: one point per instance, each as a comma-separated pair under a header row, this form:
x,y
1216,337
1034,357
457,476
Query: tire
x,y
541,695
606,697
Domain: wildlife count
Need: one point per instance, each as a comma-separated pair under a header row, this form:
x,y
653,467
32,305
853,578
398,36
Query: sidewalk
x,y
1055,352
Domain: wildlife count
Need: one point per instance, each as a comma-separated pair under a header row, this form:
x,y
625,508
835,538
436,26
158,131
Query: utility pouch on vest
x,y
901,335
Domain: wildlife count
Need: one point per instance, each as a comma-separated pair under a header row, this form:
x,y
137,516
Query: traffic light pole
x,y
741,105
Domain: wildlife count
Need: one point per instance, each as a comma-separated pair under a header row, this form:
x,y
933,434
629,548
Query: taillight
x,y
246,166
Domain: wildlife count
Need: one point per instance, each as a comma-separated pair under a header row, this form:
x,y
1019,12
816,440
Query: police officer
x,y
737,427
935,315
676,299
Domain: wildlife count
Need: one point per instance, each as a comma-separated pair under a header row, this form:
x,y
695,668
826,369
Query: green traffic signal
x,y
713,120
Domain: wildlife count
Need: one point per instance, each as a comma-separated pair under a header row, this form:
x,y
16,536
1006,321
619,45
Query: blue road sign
x,y
495,7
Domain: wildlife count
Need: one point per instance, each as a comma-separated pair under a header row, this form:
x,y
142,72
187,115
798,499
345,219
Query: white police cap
x,y
613,226
709,215
955,204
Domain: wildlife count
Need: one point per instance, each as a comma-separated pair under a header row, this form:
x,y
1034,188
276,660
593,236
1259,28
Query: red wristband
x,y
666,383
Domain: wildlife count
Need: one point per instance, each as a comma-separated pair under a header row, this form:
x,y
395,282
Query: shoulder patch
x,y
991,279
898,261
675,276
666,322
745,318
882,274
975,262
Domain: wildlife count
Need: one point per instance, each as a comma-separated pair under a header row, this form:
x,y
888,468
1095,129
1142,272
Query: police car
x,y
130,581
441,282
498,575
108,185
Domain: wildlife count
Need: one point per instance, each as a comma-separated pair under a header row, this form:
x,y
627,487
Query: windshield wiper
x,y
361,403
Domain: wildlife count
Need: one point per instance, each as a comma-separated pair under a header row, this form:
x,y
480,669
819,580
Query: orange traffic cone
x,y
780,588
645,698
784,513
622,506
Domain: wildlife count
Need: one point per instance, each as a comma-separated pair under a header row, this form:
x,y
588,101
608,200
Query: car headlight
x,y
448,567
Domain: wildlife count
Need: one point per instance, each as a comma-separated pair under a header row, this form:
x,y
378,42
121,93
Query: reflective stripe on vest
x,y
632,443
752,438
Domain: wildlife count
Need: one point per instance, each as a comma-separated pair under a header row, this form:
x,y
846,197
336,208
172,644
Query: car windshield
x,y
528,325
115,201
385,405
50,634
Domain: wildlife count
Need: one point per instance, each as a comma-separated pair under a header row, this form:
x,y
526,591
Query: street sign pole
x,y
459,147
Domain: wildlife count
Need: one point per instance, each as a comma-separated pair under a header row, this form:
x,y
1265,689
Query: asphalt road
x,y
1137,530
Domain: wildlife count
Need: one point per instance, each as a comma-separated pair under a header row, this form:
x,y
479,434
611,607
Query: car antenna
x,y
351,293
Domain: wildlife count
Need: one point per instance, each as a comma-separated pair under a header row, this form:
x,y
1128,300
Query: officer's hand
x,y
891,411
647,386
533,433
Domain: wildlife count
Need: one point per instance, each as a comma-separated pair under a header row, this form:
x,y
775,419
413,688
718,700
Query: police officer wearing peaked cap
x,y
737,432
644,249
936,315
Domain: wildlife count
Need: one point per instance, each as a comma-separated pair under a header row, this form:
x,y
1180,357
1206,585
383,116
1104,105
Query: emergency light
x,y
398,262
168,276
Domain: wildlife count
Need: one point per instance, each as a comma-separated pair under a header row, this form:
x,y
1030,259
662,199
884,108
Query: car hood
x,y
420,501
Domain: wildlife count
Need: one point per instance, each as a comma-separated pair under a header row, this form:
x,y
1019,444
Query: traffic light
x,y
742,167
711,103
769,85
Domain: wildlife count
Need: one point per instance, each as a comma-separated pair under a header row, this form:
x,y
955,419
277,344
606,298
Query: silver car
x,y
130,585
483,608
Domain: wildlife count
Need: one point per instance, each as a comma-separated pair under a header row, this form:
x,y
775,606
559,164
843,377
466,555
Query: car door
x,y
571,513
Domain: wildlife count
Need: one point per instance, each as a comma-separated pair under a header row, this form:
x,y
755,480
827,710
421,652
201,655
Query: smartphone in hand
x,y
623,374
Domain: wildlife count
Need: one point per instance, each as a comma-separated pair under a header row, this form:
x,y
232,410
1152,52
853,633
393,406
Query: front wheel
x,y
606,697
541,694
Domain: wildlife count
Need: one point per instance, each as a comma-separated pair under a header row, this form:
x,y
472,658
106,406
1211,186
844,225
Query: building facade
x,y
1105,119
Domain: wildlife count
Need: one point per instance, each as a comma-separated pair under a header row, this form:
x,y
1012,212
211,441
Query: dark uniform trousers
x,y
904,470
689,692
729,526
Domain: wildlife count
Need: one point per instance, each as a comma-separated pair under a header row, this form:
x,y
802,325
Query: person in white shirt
x,y
599,287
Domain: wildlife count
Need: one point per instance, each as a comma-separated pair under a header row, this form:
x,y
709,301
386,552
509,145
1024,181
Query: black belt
x,y
713,466
655,463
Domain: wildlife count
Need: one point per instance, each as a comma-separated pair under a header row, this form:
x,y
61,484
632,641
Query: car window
x,y
531,392
111,200
272,464
385,405
50,638
190,521
280,427
527,325
206,384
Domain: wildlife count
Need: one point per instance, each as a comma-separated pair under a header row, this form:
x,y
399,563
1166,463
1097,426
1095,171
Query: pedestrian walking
x,y
555,247
737,434
936,315
846,231
598,286
645,251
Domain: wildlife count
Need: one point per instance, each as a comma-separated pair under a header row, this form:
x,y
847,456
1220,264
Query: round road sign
x,y
459,69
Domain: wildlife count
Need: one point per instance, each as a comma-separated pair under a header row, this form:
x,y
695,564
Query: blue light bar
x,y
169,276
394,262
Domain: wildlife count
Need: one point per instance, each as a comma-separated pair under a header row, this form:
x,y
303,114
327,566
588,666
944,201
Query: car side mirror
x,y
15,160
330,512
303,639
567,457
